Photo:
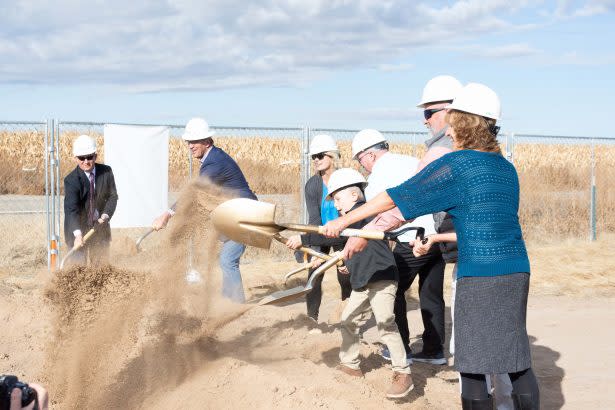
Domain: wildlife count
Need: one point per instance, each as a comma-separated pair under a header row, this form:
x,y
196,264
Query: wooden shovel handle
x,y
361,233
309,251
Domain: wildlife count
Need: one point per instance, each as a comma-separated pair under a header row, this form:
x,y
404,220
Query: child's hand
x,y
421,248
316,262
294,242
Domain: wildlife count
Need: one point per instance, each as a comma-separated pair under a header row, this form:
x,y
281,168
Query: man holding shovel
x,y
222,170
89,203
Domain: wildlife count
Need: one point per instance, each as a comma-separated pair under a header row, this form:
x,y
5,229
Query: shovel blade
x,y
247,221
285,295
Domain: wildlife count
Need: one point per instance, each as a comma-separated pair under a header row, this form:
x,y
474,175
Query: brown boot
x,y
349,371
401,385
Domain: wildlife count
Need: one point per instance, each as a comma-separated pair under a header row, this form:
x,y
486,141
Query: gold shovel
x,y
290,294
87,236
253,223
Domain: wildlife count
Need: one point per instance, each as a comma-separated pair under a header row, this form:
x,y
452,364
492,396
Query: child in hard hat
x,y
373,276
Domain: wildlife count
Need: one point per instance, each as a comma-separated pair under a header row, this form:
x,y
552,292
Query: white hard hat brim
x,y
190,137
361,185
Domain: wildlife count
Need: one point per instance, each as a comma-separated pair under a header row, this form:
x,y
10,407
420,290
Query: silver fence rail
x,y
566,182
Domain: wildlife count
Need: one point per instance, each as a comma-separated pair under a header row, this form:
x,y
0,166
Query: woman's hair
x,y
473,131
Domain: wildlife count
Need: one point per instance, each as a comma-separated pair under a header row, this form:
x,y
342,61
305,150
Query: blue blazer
x,y
223,171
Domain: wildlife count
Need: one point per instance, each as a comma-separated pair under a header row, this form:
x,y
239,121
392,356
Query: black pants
x,y
430,269
474,387
314,298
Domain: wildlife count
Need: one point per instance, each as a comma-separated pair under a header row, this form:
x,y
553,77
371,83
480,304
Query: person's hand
x,y
354,245
333,228
78,242
41,393
162,221
421,248
316,262
343,270
294,242
103,218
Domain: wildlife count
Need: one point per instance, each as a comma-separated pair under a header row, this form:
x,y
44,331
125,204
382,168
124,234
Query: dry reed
x,y
555,179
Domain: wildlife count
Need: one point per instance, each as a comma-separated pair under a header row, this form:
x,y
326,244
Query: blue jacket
x,y
224,172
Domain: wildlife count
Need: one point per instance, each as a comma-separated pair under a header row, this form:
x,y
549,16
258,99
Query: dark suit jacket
x,y
223,171
76,191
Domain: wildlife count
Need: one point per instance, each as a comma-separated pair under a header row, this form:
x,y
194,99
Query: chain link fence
x,y
566,182
23,202
566,185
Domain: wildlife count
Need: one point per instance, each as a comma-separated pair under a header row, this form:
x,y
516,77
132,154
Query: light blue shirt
x,y
327,209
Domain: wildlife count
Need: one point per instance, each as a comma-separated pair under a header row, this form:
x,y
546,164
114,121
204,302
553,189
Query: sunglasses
x,y
360,158
430,112
320,155
86,157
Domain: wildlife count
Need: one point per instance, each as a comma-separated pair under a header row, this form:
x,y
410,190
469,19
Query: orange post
x,y
54,254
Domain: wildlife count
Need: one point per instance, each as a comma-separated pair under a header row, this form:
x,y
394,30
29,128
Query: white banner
x,y
139,157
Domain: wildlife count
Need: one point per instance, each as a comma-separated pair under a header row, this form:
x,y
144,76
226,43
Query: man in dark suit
x,y
223,171
90,199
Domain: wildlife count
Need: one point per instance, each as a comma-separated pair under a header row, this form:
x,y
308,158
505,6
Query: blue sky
x,y
335,63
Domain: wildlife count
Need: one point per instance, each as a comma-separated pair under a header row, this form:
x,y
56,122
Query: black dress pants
x,y
430,270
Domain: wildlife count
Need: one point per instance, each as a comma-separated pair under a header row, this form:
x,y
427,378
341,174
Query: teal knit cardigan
x,y
481,192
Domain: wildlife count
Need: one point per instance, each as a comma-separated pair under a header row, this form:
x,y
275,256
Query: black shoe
x,y
436,358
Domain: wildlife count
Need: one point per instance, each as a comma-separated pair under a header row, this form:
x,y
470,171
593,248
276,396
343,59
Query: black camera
x,y
7,384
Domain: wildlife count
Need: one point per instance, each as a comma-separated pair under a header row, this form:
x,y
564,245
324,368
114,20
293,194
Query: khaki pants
x,y
379,298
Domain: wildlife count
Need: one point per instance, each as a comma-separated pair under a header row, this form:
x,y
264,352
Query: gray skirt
x,y
490,332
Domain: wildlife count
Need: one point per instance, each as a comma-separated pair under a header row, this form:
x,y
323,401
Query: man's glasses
x,y
430,112
360,158
320,155
86,157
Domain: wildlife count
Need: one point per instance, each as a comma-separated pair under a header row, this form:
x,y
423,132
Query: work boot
x,y
349,371
400,386
477,404
525,402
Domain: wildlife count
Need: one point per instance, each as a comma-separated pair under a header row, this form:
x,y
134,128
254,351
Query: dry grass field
x,y
555,179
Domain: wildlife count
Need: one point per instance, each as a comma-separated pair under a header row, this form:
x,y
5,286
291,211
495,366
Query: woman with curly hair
x,y
479,188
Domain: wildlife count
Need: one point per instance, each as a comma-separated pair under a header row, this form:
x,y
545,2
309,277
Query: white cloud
x,y
502,51
389,68
188,44
566,9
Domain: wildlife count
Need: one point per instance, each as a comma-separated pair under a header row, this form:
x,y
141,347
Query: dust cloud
x,y
116,328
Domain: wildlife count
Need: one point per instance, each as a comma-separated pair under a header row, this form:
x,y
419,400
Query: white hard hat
x,y
84,145
478,99
345,177
323,143
365,139
197,129
440,88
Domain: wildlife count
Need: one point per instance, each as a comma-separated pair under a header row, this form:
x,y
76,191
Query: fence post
x,y
51,247
305,169
592,207
510,147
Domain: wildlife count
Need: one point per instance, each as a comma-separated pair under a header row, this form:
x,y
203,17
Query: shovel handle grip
x,y
348,232
88,235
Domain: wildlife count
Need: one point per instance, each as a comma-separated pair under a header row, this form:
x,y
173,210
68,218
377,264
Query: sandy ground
x,y
135,335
